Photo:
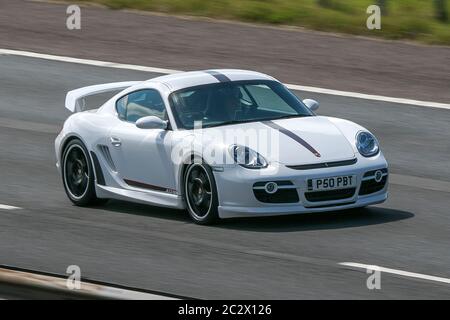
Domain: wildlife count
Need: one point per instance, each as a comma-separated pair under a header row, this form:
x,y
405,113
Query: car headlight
x,y
367,144
248,158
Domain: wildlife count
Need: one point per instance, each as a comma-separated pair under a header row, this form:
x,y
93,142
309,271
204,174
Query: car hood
x,y
294,141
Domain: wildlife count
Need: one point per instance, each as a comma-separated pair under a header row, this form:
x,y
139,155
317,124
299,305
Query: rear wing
x,y
75,98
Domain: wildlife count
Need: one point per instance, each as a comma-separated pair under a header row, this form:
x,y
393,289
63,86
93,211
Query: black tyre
x,y
78,175
201,193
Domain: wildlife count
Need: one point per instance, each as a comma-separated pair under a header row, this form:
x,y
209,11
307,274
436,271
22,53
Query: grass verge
x,y
404,19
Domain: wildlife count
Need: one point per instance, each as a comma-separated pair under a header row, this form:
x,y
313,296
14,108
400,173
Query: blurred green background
x,y
422,20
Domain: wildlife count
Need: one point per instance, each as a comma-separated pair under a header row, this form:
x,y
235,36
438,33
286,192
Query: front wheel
x,y
201,193
78,175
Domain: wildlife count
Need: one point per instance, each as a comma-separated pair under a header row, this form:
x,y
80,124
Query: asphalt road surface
x,y
293,257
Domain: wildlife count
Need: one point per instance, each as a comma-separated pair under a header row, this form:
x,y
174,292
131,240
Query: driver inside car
x,y
225,103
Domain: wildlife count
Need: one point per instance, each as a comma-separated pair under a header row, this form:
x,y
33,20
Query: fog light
x,y
271,187
378,176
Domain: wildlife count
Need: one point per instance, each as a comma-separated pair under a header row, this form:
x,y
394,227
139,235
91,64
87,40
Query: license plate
x,y
332,183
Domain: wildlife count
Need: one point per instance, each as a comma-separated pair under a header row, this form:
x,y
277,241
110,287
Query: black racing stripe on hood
x,y
292,135
219,76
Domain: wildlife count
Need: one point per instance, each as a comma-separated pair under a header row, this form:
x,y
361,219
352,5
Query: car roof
x,y
183,80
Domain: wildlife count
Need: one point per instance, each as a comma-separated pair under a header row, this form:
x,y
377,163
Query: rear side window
x,y
121,108
140,104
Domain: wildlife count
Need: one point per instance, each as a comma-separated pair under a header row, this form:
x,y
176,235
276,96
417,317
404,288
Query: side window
x,y
121,108
140,104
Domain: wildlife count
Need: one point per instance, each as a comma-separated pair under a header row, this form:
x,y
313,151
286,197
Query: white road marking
x,y
96,63
107,64
6,207
370,97
397,272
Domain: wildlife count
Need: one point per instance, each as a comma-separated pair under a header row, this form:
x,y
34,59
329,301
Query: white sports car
x,y
219,143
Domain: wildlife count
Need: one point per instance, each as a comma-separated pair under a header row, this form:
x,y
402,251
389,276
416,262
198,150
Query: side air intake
x,y
107,156
98,170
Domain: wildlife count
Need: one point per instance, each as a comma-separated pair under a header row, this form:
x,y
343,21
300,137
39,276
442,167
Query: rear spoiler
x,y
75,98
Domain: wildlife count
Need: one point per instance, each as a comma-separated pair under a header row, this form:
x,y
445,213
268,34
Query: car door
x,y
142,156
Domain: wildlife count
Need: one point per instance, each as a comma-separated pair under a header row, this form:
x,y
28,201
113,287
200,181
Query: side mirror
x,y
313,105
151,122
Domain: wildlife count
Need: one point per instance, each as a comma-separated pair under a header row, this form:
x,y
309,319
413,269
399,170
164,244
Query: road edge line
x,y
8,207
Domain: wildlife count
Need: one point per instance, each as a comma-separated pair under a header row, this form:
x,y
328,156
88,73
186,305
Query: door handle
x,y
115,142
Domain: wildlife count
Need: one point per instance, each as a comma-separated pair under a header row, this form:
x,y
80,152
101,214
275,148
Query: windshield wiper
x,y
225,123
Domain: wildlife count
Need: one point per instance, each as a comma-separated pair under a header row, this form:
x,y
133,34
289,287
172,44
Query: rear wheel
x,y
201,193
78,175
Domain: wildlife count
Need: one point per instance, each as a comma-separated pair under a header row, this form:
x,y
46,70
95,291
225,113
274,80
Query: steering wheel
x,y
190,117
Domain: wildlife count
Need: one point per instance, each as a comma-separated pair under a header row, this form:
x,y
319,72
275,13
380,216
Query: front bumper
x,y
237,199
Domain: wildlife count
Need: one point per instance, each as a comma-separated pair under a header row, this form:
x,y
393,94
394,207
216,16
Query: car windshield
x,y
235,102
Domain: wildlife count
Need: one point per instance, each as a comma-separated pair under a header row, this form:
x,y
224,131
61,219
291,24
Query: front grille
x,y
281,196
323,165
286,193
371,186
340,194
372,173
279,183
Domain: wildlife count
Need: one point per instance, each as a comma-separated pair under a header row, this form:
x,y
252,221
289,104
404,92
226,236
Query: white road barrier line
x,y
364,96
428,104
90,290
96,63
6,207
397,272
